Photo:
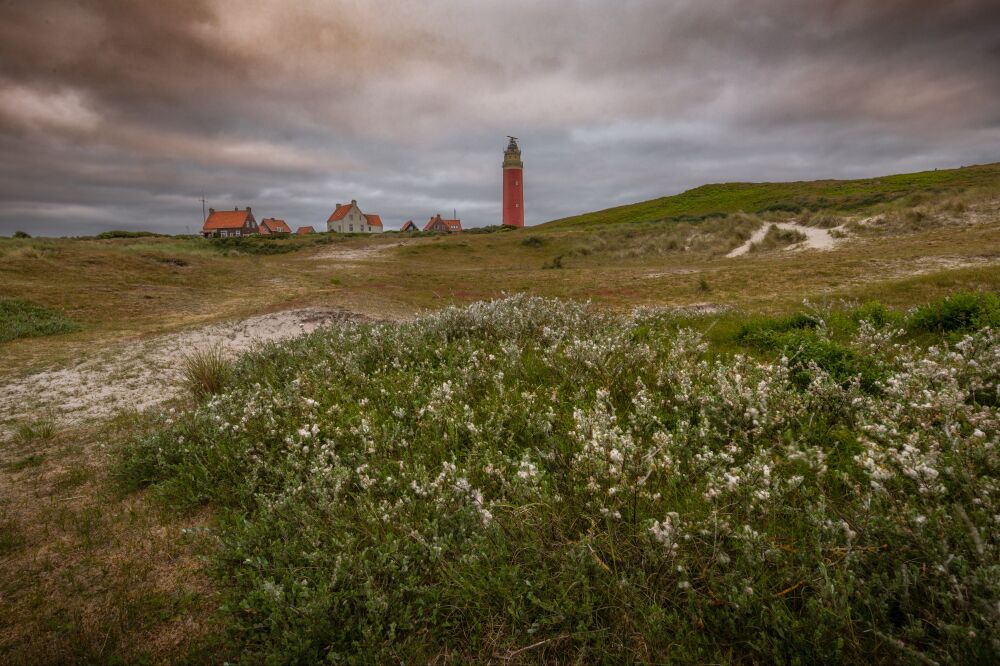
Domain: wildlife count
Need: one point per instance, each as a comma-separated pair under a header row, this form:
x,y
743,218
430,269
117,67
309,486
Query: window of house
x,y
352,227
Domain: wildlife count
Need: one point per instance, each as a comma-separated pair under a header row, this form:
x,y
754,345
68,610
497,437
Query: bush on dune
x,y
533,480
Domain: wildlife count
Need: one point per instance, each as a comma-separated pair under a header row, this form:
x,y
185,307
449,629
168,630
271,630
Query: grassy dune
x,y
836,195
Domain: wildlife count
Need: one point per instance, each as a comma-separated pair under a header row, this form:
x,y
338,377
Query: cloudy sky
x,y
122,113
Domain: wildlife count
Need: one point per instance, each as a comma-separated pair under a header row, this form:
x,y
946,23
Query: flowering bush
x,y
535,480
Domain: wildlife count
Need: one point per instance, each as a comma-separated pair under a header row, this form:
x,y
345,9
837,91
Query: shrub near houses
x,y
534,480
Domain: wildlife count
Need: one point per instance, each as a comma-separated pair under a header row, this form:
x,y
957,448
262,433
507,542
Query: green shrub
x,y
876,314
23,319
958,313
21,234
806,350
119,233
761,331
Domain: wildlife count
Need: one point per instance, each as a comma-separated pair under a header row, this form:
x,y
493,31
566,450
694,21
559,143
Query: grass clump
x,y
556,263
20,318
206,372
34,431
530,479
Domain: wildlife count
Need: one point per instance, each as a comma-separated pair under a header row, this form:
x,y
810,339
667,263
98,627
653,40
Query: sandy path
x,y
354,254
142,374
816,239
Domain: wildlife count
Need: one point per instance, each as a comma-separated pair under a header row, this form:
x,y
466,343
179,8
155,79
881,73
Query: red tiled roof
x,y
305,230
339,214
226,219
275,226
453,225
373,219
408,225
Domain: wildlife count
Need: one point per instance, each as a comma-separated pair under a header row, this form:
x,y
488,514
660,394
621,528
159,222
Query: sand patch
x,y
354,254
816,239
144,373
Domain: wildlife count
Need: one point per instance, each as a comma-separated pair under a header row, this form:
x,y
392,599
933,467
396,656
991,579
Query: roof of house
x,y
408,225
341,211
275,226
450,225
305,230
226,219
373,219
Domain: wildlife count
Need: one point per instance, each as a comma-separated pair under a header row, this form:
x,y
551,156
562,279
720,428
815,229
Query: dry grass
x,y
87,577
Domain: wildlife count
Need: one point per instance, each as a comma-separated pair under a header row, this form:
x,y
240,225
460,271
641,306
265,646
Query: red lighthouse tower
x,y
513,185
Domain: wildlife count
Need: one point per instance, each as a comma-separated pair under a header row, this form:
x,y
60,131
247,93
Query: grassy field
x,y
91,573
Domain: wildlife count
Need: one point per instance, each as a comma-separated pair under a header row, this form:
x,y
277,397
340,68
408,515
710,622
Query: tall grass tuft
x,y
206,372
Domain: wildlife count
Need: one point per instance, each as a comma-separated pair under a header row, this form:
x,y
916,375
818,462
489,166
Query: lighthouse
x,y
513,185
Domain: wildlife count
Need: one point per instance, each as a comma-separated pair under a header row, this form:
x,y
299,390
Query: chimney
x,y
236,208
354,202
248,209
211,211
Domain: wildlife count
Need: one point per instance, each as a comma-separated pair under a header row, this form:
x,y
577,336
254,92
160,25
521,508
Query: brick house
x,y
348,218
408,226
226,223
302,231
443,226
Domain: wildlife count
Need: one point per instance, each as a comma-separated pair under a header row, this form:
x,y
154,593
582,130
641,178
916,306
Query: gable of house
x,y
301,231
274,226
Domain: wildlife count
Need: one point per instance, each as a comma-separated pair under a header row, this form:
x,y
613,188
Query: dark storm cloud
x,y
116,113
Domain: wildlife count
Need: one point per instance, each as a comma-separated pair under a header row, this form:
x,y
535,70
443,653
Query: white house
x,y
348,218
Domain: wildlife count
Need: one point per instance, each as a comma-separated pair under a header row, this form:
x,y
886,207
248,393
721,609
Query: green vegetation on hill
x,y
834,195
534,480
23,319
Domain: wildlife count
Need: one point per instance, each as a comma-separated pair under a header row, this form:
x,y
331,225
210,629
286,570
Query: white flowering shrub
x,y
530,473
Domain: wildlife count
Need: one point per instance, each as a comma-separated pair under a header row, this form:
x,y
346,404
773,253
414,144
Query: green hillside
x,y
839,195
